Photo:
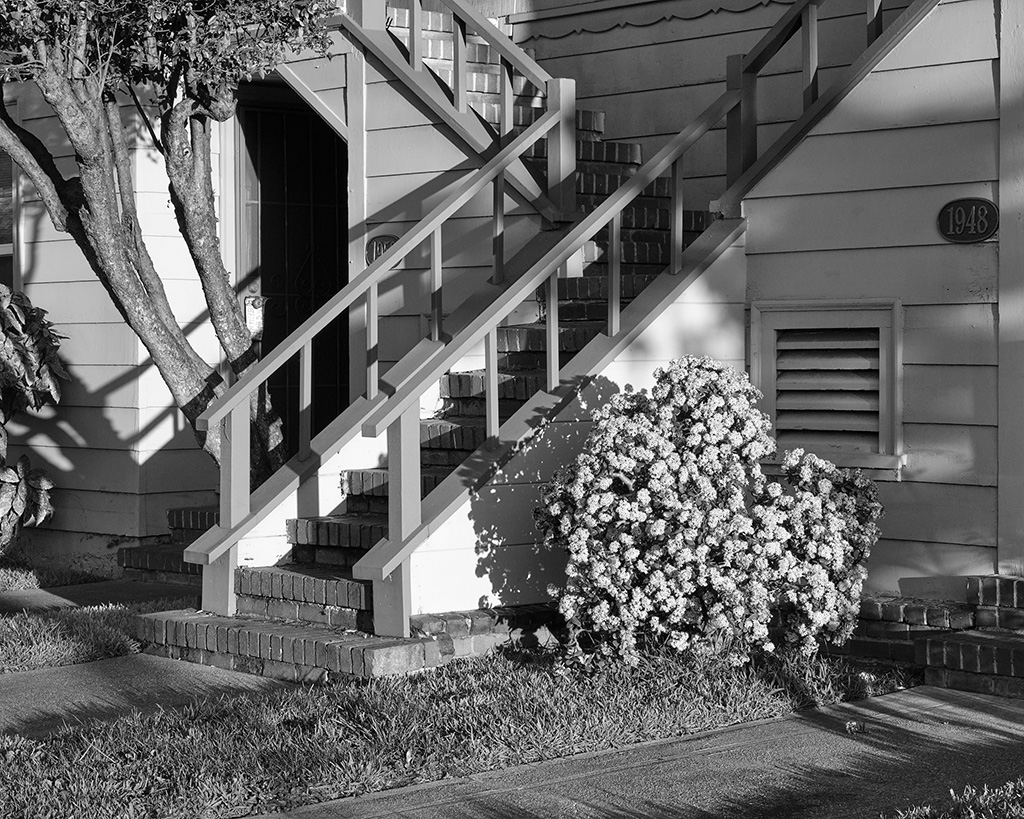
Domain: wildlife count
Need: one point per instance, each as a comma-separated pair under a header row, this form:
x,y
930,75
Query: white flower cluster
x,y
673,532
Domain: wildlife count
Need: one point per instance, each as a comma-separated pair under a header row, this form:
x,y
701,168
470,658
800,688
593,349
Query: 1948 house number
x,y
968,220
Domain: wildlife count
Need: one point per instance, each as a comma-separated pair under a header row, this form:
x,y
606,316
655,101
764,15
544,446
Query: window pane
x,y
6,200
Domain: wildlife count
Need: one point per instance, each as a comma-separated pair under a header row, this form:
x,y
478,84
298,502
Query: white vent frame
x,y
768,317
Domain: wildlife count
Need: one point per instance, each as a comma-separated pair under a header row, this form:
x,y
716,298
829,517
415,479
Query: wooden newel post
x,y
392,596
562,146
219,574
741,121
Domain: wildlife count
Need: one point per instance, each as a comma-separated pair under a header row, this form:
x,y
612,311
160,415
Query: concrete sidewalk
x,y
918,744
92,594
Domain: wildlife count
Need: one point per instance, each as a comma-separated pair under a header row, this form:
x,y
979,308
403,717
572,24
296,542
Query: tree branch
x,y
37,163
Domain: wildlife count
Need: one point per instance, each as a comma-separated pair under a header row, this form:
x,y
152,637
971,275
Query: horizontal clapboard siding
x,y
850,215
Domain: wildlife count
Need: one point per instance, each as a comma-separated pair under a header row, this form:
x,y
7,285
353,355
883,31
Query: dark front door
x,y
293,199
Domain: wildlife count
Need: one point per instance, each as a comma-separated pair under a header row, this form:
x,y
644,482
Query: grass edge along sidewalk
x,y
297,746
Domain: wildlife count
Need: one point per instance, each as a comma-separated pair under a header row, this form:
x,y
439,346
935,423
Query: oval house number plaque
x,y
968,220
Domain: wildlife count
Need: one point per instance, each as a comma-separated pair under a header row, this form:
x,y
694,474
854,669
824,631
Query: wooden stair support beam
x,y
729,203
467,130
600,351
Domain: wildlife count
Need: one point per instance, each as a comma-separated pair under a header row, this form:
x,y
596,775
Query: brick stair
x,y
309,623
976,646
989,659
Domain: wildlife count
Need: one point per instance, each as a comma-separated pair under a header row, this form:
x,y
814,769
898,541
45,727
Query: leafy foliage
x,y
675,534
29,378
137,43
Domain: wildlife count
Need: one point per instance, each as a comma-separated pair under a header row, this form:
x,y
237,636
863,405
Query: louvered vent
x,y
827,385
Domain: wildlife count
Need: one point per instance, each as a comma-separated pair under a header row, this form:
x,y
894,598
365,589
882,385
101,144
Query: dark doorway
x,y
293,200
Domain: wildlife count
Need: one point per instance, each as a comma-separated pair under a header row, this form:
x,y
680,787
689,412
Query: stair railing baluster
x,y
305,399
505,122
372,348
676,224
809,36
415,35
498,231
874,20
551,334
436,277
614,273
460,74
491,387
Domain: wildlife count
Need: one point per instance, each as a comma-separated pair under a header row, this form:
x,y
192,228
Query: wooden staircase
x,y
639,250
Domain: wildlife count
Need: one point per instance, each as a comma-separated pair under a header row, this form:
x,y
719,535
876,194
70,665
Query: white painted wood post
x,y
392,596
741,121
562,146
1010,532
460,75
415,35
219,575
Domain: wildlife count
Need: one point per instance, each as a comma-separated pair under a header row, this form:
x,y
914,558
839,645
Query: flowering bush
x,y
674,533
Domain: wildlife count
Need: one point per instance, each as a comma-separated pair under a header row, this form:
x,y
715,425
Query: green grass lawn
x,y
1004,802
258,753
16,576
34,640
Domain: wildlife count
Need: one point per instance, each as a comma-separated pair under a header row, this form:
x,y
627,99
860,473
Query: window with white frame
x,y
831,375
7,176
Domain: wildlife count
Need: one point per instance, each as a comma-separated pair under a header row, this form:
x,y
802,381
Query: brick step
x,y
452,433
297,652
348,531
987,651
307,593
533,337
590,168
588,202
594,285
519,362
159,563
602,151
477,407
516,386
373,483
1001,591
917,612
587,122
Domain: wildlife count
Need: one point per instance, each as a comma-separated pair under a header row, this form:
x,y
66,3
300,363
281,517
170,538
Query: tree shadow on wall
x,y
509,548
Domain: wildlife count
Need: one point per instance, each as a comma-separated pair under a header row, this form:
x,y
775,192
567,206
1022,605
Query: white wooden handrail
x,y
485,319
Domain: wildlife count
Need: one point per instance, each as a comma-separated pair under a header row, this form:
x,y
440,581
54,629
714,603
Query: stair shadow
x,y
509,549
